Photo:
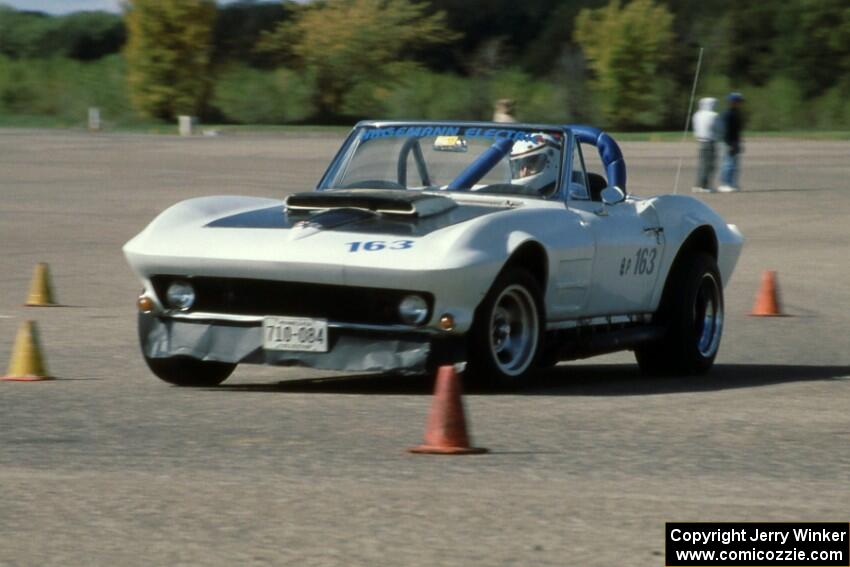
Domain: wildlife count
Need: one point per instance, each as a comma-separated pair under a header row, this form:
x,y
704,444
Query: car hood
x,y
390,212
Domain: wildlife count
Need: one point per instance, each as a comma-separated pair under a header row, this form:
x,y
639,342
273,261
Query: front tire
x,y
507,333
190,372
691,311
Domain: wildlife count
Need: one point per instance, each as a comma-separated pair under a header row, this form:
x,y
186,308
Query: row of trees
x,y
622,64
82,36
362,57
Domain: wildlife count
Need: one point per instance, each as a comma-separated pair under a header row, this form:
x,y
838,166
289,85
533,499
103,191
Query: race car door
x,y
629,246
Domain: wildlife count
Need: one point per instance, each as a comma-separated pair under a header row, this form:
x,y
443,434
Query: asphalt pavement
x,y
109,466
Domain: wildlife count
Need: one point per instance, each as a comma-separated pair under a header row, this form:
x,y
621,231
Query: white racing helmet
x,y
534,162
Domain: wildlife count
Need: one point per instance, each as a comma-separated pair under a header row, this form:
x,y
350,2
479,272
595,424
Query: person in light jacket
x,y
705,131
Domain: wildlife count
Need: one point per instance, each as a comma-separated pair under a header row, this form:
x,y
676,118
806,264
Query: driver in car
x,y
534,163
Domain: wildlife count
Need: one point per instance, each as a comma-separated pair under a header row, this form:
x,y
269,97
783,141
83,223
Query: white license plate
x,y
295,333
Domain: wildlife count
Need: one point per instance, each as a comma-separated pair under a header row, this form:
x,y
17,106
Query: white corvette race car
x,y
426,243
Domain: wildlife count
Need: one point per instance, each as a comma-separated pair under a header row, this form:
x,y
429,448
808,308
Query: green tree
x,y
627,48
747,49
356,49
813,45
168,55
82,35
253,96
87,35
23,34
238,27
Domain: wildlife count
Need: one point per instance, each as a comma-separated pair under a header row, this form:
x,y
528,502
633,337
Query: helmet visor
x,y
528,165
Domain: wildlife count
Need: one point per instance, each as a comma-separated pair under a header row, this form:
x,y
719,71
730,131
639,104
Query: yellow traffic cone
x,y
41,292
26,364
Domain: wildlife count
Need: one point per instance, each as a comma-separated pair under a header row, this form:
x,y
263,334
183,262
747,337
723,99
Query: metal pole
x,y
687,122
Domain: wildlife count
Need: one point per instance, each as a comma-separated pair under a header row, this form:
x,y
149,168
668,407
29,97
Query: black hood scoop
x,y
390,202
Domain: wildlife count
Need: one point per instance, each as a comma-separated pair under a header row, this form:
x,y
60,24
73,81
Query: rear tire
x,y
190,372
691,311
507,333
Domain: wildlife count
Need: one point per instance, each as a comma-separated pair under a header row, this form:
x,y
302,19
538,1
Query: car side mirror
x,y
613,195
578,191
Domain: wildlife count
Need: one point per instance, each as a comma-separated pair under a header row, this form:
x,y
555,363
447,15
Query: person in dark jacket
x,y
732,123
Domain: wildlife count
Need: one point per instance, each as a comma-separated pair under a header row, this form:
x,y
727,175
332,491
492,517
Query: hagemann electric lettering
x,y
510,247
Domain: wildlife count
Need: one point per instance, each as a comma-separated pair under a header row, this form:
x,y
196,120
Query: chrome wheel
x,y
708,315
514,330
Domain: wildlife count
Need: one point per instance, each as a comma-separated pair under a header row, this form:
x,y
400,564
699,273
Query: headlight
x,y
180,295
413,310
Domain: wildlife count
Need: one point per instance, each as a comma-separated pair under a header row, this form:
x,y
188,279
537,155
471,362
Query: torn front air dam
x,y
350,351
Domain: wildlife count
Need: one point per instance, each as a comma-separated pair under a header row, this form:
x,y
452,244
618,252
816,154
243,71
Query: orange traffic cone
x,y
27,364
41,292
446,430
767,299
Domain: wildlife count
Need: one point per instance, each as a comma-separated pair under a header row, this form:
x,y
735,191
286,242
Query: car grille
x,y
238,296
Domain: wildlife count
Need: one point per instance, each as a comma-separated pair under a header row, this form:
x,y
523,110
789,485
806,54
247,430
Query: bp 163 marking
x,y
642,264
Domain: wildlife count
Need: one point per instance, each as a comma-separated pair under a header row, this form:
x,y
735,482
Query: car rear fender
x,y
692,226
701,240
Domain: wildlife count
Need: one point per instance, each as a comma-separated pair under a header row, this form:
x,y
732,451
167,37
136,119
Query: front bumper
x,y
352,350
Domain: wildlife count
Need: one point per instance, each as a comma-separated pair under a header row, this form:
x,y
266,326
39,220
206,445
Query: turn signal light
x,y
145,304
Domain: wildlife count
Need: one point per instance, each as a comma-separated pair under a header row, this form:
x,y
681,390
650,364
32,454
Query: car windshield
x,y
502,159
